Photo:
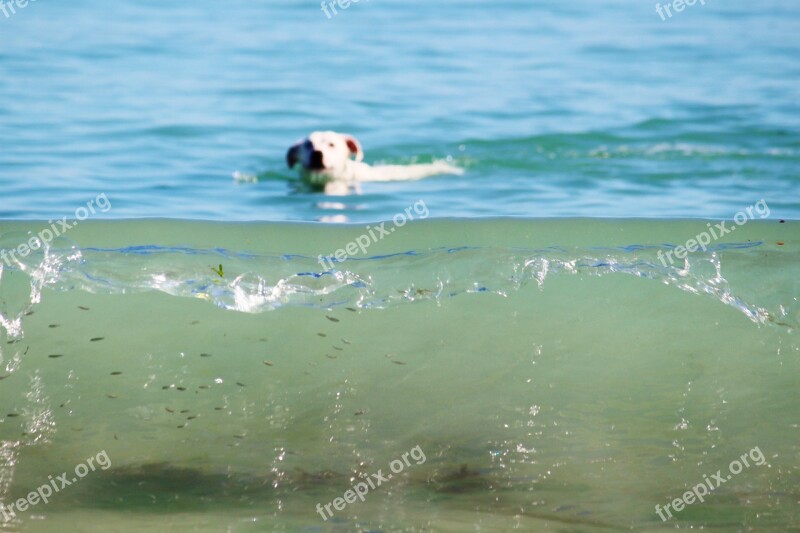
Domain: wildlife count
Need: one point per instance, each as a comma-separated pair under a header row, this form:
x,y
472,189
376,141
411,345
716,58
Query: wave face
x,y
544,367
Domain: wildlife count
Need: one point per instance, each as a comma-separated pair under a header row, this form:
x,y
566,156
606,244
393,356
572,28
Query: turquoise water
x,y
554,108
547,382
537,342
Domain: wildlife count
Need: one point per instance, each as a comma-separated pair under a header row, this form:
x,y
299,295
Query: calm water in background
x,y
555,108
554,371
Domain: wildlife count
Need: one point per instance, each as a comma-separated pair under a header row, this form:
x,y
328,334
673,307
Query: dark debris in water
x,y
461,481
163,487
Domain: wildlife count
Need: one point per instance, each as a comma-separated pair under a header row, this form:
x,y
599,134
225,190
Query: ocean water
x,y
544,382
189,341
554,108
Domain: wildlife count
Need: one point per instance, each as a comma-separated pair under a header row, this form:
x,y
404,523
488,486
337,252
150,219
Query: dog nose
x,y
316,160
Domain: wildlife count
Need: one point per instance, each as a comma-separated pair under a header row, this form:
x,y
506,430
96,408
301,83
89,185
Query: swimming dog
x,y
334,162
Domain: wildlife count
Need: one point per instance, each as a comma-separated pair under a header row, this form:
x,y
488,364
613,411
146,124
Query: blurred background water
x,y
557,372
554,108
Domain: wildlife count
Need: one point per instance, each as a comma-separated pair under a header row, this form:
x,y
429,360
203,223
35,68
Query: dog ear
x,y
291,155
354,146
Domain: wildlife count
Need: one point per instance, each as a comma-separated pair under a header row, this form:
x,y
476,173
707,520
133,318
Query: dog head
x,y
324,152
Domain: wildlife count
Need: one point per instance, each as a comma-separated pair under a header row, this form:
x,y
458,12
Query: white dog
x,y
325,164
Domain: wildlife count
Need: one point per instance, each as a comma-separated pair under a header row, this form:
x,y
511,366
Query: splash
x,y
254,283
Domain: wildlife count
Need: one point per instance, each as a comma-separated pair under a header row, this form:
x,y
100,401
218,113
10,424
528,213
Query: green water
x,y
555,374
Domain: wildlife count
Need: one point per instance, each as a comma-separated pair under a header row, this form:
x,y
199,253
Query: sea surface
x,y
554,108
190,341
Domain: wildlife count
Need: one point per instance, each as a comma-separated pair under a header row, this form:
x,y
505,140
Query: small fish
x,y
398,362
321,335
82,308
53,325
241,384
165,387
337,348
55,355
95,339
29,313
331,318
64,403
351,309
116,373
194,322
184,411
346,341
267,363
203,387
205,355
182,426
181,388
329,356
360,412
167,409
263,339
111,396
12,415
238,436
218,408
192,417
4,377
